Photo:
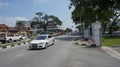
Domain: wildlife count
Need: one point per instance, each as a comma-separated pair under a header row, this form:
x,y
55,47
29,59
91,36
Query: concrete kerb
x,y
8,46
27,42
0,48
111,51
16,44
13,45
3,47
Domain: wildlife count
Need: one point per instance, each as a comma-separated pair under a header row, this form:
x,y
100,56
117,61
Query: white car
x,y
42,41
13,37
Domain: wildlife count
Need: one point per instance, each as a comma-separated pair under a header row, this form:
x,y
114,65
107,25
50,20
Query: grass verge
x,y
111,41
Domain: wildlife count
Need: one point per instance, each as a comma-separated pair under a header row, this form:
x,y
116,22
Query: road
x,y
62,54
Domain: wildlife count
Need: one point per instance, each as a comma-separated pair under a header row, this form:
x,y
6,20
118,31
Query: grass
x,y
111,41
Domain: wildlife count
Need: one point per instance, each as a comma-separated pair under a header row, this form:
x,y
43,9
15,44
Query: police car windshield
x,y
41,38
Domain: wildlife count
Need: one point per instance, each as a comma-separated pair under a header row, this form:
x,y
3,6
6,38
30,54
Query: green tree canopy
x,y
88,11
43,20
67,30
19,23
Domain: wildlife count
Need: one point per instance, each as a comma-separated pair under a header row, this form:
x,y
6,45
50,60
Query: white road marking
x,y
19,55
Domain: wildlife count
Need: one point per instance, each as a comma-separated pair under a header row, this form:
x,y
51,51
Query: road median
x,y
3,46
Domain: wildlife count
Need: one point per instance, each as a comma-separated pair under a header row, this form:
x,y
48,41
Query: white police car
x,y
42,41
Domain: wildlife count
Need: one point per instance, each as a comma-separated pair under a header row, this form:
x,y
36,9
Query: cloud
x,y
40,1
3,4
10,21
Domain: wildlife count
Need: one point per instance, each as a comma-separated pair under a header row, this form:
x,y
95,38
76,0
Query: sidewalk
x,y
112,51
79,56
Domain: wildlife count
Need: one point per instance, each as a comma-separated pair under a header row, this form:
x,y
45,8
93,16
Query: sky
x,y
13,10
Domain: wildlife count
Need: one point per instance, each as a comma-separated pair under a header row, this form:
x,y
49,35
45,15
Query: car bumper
x,y
36,46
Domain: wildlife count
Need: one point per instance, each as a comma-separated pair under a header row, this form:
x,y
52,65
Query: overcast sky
x,y
13,10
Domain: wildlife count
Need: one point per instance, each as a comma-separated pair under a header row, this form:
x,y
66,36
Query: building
x,y
34,28
20,30
4,28
27,24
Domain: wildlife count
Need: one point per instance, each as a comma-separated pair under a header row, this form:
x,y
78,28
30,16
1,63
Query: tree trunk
x,y
104,29
44,28
82,29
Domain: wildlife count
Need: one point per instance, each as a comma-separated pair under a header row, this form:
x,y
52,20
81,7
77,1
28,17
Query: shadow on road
x,y
34,49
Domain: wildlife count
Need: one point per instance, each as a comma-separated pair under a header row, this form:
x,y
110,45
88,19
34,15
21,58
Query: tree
x,y
44,20
88,11
67,30
19,25
118,22
113,26
79,27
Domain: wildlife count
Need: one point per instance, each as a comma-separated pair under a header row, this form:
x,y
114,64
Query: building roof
x,y
3,26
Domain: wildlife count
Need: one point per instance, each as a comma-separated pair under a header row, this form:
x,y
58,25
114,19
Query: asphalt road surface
x,y
62,54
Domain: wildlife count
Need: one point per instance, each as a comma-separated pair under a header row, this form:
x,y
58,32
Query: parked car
x,y
10,38
2,39
13,37
24,37
42,41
